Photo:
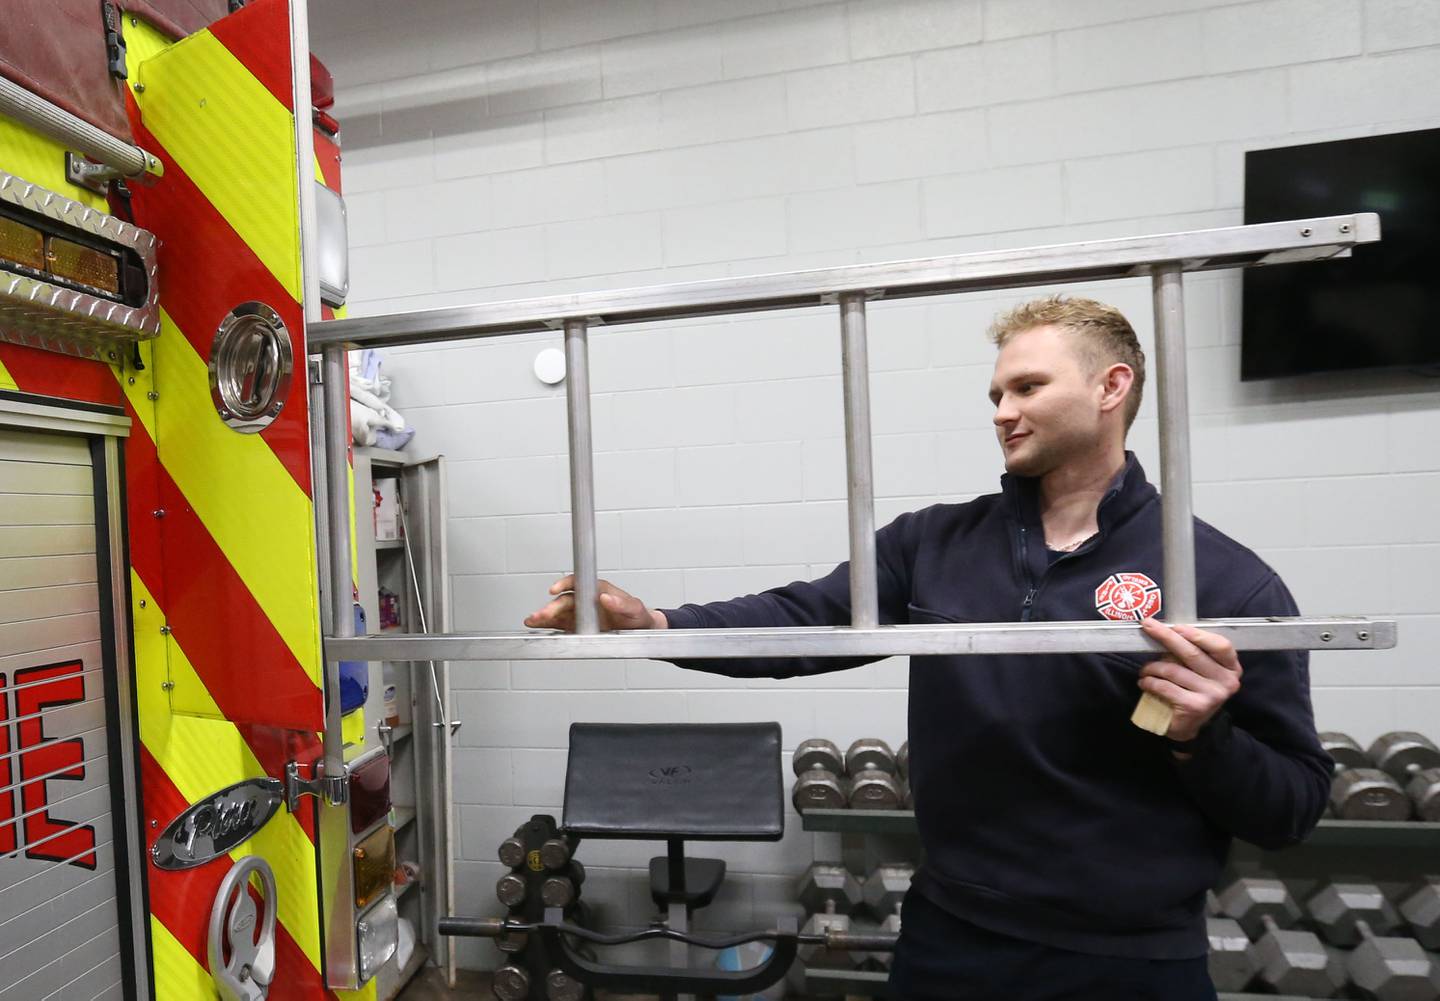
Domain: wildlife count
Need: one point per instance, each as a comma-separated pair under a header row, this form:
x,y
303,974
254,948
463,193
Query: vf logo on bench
x,y
671,775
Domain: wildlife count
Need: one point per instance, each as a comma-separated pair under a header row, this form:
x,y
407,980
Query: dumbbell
x,y
820,783
1232,960
885,888
875,789
1403,754
1289,961
874,784
829,892
869,753
818,753
1424,790
1346,751
1368,794
1382,966
1421,911
1359,790
820,789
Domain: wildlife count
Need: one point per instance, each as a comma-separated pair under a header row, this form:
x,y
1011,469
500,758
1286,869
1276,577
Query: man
x,y
1067,852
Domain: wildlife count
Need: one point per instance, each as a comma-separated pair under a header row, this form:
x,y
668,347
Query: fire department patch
x,y
1127,597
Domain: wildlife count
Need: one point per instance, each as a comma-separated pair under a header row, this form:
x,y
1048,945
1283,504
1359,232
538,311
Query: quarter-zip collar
x,y
1128,492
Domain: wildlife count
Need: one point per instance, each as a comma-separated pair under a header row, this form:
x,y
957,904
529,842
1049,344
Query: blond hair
x,y
1104,336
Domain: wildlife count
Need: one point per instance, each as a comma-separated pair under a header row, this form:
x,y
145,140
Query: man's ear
x,y
1115,386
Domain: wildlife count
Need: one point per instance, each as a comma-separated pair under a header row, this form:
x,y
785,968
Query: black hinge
x,y
114,40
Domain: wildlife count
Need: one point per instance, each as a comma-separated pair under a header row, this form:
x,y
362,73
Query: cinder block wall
x,y
503,149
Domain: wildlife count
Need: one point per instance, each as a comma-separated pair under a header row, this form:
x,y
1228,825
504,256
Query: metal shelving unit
x,y
1378,834
1389,850
417,746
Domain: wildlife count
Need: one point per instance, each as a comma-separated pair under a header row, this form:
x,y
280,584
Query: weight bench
x,y
672,782
676,782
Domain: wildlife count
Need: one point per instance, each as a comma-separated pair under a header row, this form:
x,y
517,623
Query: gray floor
x,y
429,985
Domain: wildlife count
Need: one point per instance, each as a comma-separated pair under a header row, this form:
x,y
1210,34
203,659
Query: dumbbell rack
x,y
1387,851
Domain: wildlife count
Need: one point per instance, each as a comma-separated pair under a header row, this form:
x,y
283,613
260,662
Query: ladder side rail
x,y
1095,260
1098,636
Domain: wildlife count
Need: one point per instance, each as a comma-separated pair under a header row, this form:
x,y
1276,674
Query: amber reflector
x,y
374,865
21,244
84,266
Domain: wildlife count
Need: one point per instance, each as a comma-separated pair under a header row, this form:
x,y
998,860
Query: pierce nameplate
x,y
216,824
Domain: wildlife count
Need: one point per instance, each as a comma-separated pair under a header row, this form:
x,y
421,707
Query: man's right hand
x,y
618,610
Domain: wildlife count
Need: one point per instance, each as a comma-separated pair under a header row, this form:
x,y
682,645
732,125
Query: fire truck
x,y
168,829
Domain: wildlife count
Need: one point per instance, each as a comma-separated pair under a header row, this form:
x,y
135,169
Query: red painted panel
x,y
48,373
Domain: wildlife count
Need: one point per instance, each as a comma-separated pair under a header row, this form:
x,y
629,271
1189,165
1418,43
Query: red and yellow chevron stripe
x,y
224,583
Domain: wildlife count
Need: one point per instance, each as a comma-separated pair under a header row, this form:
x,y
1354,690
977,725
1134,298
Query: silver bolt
x,y
1363,635
110,355
1305,231
275,410
159,512
139,88
152,395
1344,227
131,380
1326,636
154,824
142,602
167,686
134,22
164,630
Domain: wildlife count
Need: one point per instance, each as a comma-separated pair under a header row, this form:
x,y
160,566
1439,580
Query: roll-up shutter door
x,y
60,920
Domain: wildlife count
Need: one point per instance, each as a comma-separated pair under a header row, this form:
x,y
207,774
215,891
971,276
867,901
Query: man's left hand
x,y
1199,676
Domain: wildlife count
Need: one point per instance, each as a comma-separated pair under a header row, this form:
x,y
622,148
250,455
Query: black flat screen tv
x,y
1378,308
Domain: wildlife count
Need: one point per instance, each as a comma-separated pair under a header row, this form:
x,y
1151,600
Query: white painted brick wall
x,y
520,148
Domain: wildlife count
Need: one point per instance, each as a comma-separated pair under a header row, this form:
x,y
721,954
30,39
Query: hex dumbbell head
x,y
873,789
1424,790
819,789
1392,969
1297,963
886,886
819,955
1402,753
1339,909
1421,911
1254,898
829,886
1346,751
867,753
1368,794
818,753
512,852
902,760
1233,963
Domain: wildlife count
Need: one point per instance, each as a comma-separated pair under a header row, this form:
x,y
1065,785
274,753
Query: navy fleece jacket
x,y
1043,812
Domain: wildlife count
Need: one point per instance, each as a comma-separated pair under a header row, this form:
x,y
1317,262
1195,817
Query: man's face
x,y
1047,403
